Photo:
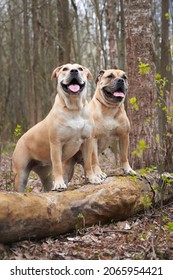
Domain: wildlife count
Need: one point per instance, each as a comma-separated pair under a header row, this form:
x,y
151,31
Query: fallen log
x,y
34,216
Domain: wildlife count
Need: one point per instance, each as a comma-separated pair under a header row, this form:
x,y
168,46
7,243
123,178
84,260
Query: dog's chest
x,y
111,125
76,124
79,128
107,132
76,131
108,127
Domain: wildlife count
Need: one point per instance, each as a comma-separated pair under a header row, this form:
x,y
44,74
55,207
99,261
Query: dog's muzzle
x,y
73,84
116,91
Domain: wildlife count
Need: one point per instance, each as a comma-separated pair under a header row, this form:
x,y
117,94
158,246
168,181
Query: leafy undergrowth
x,y
145,236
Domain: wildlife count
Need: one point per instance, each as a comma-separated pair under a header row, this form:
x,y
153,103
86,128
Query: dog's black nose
x,y
74,71
120,82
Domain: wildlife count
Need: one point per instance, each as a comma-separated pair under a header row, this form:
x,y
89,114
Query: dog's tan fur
x,y
48,147
110,121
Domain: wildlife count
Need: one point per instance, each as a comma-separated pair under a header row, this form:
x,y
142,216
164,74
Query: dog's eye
x,y
80,69
124,77
65,69
111,76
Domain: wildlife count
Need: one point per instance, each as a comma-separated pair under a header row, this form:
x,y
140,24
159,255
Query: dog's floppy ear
x,y
100,75
88,73
55,72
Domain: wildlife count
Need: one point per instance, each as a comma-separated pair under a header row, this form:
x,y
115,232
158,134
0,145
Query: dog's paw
x,y
94,180
130,172
102,175
98,172
59,187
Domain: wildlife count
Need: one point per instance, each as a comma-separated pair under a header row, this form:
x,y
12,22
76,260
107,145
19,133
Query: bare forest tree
x,y
64,31
38,35
142,87
111,29
28,66
165,108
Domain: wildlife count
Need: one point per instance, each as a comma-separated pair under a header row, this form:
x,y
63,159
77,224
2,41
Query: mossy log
x,y
34,216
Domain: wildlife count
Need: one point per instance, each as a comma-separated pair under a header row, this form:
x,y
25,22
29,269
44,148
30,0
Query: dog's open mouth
x,y
74,87
113,95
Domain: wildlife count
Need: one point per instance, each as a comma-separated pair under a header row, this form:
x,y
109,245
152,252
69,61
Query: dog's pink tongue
x,y
118,94
74,88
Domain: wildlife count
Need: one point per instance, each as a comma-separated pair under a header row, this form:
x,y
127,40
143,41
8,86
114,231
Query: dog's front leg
x,y
95,161
56,158
124,144
87,152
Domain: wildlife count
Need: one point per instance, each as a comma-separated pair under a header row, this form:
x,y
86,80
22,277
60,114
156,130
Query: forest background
x,y
134,35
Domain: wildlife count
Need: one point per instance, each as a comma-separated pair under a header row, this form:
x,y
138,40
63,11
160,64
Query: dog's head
x,y
72,78
112,86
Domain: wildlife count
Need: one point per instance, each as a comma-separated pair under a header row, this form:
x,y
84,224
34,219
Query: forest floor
x,y
147,236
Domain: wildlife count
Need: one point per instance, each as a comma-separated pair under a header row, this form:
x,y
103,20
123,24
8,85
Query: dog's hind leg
x,y
45,174
68,170
20,179
21,170
68,167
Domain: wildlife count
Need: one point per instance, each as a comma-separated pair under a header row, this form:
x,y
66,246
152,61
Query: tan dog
x,y
48,146
110,122
110,119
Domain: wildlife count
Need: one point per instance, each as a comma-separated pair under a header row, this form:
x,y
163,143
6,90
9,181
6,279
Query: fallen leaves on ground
x,y
145,236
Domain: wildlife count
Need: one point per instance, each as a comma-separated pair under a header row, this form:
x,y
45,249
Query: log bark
x,y
34,216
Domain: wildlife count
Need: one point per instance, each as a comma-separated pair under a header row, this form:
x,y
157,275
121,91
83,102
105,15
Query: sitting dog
x,y
110,119
48,147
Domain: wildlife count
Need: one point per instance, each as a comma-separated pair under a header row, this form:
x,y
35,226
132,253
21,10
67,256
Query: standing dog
x,y
110,122
48,147
110,119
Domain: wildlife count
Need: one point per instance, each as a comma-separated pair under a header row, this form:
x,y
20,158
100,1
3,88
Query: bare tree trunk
x,y
78,40
100,15
168,159
111,29
11,108
98,48
36,62
64,31
28,67
165,50
164,96
165,46
122,39
139,46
